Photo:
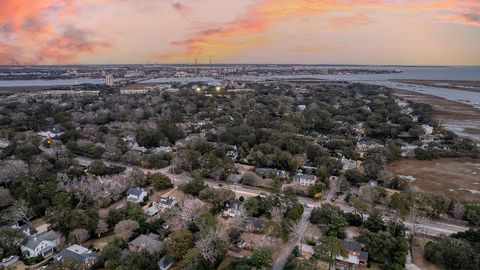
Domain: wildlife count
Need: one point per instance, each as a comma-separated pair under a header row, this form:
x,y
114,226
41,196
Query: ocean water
x,y
59,82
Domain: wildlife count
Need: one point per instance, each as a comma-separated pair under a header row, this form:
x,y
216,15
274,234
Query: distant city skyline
x,y
372,32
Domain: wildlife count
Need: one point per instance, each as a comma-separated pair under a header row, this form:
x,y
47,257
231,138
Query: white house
x,y
348,164
305,180
40,245
136,195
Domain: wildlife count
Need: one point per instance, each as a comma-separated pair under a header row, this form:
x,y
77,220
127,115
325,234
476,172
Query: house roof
x,y
307,177
135,191
257,223
165,262
4,143
269,171
49,235
351,246
77,253
32,242
147,243
165,200
307,248
363,256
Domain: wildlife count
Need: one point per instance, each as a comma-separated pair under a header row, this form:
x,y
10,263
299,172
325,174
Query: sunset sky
x,y
421,32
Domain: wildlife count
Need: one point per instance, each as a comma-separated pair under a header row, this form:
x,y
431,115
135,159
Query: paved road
x,y
428,227
280,262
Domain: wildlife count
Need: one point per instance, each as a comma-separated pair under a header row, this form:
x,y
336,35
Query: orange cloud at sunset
x,y
267,13
137,31
40,32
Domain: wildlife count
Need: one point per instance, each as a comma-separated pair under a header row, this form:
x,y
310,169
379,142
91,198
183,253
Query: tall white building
x,y
109,80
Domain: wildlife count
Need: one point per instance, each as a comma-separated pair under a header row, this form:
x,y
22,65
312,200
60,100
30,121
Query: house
x,y
366,145
408,150
160,204
348,164
137,148
4,143
148,243
165,202
131,91
428,129
232,209
136,195
40,245
49,134
301,107
78,253
355,256
268,172
162,149
25,229
165,263
240,243
254,224
305,179
306,251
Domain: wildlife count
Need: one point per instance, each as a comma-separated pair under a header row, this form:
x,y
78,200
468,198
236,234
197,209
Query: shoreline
x,y
469,86
463,119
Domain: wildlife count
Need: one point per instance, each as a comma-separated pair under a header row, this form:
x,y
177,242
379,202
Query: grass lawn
x,y
226,262
101,243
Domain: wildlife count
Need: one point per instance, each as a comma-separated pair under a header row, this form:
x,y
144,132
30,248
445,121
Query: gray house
x,y
79,254
149,243
136,195
40,245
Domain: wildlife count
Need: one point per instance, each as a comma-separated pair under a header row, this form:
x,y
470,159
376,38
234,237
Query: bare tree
x,y
102,227
458,210
208,245
417,219
91,188
11,170
125,228
191,209
80,235
19,211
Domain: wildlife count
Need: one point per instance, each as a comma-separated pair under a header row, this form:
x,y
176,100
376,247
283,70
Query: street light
x,y
218,88
199,89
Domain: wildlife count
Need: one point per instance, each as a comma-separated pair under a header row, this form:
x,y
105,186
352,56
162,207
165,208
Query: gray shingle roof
x,y
146,243
31,242
300,176
135,191
363,256
351,246
80,255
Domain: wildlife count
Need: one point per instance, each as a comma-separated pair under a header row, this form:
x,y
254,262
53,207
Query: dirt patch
x,y
418,251
454,177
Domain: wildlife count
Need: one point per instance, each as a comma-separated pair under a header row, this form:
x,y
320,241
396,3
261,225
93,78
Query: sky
x,y
382,32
